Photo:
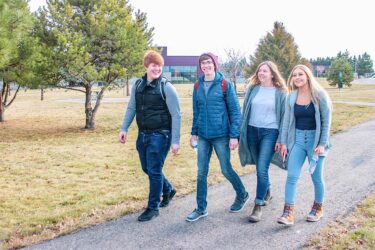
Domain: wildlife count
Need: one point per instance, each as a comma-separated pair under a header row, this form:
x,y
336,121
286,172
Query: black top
x,y
152,113
305,116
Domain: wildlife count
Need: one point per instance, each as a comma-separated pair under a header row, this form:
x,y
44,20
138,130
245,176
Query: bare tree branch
x,y
70,88
14,97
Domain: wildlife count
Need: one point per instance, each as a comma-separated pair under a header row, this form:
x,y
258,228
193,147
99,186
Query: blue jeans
x,y
262,142
153,148
221,146
303,147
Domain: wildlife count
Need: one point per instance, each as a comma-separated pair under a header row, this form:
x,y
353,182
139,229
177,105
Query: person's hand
x,y
122,137
283,151
277,147
319,150
193,138
233,143
175,148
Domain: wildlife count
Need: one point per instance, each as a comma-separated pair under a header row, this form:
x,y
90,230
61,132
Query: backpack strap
x,y
137,83
224,86
163,82
196,85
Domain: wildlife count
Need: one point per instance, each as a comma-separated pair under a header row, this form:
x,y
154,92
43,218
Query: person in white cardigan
x,y
305,133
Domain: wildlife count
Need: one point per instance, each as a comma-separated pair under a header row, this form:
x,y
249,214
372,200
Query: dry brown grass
x,y
57,177
354,231
356,93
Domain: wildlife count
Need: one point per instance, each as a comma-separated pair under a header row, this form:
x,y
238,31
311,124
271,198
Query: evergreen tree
x,y
345,55
306,62
364,64
354,63
277,46
46,70
18,50
95,42
340,65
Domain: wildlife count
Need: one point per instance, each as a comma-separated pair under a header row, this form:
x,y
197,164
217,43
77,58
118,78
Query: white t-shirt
x,y
263,111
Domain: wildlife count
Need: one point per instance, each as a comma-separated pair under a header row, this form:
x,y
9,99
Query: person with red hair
x,y
155,104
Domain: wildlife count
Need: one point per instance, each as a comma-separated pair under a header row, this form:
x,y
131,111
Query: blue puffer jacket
x,y
212,116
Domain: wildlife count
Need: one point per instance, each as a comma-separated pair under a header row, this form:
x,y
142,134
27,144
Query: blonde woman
x,y
305,133
262,116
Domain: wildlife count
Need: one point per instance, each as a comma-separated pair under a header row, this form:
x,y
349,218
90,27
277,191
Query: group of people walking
x,y
282,123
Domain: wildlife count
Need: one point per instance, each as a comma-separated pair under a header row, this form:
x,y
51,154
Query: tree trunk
x,y
2,108
41,94
127,86
90,122
4,95
2,105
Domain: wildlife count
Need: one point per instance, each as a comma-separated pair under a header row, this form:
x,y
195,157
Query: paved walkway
x,y
350,177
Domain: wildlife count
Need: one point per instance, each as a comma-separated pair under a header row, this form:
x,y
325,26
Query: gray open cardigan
x,y
322,119
244,150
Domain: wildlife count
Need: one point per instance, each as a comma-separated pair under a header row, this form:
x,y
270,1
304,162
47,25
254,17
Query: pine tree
x,y
341,65
18,50
364,65
277,46
95,42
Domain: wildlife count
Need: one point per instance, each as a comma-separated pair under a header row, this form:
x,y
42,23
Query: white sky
x,y
320,28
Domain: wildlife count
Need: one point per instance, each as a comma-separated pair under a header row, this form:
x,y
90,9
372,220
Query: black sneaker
x,y
148,214
167,198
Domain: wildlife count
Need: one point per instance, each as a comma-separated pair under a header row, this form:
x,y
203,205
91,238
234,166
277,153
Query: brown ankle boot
x,y
268,198
288,215
316,212
256,214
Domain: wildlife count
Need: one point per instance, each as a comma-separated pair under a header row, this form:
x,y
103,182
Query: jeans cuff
x,y
259,202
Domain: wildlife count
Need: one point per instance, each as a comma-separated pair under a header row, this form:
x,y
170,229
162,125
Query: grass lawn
x,y
57,177
354,231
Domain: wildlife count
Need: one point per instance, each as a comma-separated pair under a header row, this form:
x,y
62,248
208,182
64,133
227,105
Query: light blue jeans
x,y
303,147
221,146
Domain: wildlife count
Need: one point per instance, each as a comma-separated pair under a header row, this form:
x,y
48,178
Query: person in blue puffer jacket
x,y
216,123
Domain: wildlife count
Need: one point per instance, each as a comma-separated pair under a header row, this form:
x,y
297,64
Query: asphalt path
x,y
349,177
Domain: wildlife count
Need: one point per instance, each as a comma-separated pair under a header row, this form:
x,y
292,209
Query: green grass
x,y
57,177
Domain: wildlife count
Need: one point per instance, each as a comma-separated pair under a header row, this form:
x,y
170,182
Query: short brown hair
x,y
207,56
152,56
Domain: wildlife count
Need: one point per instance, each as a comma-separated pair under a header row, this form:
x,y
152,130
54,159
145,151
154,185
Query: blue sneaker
x,y
239,203
196,215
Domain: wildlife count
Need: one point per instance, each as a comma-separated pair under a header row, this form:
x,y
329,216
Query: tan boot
x,y
268,198
316,212
256,214
288,215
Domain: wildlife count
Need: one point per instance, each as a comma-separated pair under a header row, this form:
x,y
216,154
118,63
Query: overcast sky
x,y
320,28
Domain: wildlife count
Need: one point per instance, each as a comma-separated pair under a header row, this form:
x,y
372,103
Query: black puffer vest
x,y
152,112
